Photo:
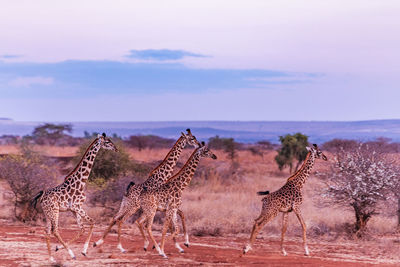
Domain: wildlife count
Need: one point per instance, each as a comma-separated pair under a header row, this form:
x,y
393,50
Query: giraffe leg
x,y
167,222
86,217
47,234
175,231
146,241
258,224
180,213
113,221
81,231
284,227
126,215
148,217
54,226
303,225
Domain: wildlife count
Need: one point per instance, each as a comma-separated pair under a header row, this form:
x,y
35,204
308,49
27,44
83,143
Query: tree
x,y
293,148
227,144
26,174
50,133
149,141
360,177
108,164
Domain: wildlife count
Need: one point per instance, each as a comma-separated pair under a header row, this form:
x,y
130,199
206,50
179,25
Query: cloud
x,y
161,54
75,79
29,81
10,56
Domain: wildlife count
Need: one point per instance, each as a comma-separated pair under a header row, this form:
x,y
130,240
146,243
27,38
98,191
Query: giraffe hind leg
x,y
258,225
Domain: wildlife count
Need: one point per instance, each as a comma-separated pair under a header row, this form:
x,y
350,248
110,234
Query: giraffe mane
x,y
79,163
184,166
301,168
167,156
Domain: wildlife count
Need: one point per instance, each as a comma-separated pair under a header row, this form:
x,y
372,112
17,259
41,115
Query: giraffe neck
x,y
185,175
163,171
82,170
300,177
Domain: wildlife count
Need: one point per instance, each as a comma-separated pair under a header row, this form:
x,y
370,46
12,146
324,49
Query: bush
x,y
149,141
227,144
26,174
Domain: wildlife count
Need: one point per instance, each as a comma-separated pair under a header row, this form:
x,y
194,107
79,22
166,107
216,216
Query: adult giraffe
x,y
130,201
70,196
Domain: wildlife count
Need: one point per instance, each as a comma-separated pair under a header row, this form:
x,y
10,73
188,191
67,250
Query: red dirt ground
x,y
25,246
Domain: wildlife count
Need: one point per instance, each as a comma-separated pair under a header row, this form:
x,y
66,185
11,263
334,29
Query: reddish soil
x,y
25,246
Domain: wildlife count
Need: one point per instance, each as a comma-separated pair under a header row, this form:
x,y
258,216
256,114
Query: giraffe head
x,y
316,152
205,151
105,142
191,139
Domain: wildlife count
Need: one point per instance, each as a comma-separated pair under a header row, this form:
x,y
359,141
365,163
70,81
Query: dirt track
x,y
24,246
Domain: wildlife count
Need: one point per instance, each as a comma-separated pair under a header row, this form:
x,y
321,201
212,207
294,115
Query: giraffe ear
x,y
98,135
308,148
104,134
315,146
188,131
202,143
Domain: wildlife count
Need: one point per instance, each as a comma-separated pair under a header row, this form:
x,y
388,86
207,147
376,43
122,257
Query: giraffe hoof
x,y
145,249
84,254
94,244
74,258
154,247
186,244
56,248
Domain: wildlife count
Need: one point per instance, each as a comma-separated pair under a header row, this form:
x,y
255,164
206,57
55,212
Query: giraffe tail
x,y
128,187
261,193
35,200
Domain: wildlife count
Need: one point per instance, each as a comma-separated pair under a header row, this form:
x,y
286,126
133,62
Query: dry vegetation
x,y
221,201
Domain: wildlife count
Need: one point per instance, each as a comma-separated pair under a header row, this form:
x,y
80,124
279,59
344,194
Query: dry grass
x,y
222,197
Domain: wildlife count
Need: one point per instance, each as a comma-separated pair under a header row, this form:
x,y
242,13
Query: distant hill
x,y
242,131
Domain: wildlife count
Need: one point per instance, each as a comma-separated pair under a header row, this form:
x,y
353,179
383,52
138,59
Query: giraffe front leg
x,y
303,225
166,225
110,225
81,230
180,213
284,227
146,241
84,215
126,215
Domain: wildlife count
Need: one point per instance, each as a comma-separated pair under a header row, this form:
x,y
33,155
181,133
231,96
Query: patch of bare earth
x,y
25,246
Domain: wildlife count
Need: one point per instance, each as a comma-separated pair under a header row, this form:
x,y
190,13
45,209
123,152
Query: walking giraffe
x,y
168,197
130,201
288,198
70,195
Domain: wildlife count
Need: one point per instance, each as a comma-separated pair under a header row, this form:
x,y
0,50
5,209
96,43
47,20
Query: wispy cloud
x,y
162,54
74,79
8,56
29,81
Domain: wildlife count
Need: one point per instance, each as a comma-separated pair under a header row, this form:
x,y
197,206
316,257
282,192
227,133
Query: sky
x,y
178,60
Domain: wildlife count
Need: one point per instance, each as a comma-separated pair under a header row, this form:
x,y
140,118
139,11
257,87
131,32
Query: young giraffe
x,y
130,201
70,195
288,198
168,197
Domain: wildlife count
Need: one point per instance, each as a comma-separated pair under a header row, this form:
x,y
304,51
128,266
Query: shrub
x,y
293,147
26,174
149,141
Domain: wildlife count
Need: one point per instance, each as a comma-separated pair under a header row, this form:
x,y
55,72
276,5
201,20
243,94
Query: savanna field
x,y
220,206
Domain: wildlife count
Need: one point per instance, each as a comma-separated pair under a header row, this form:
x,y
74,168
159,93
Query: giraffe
x,y
70,195
288,198
168,197
130,201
